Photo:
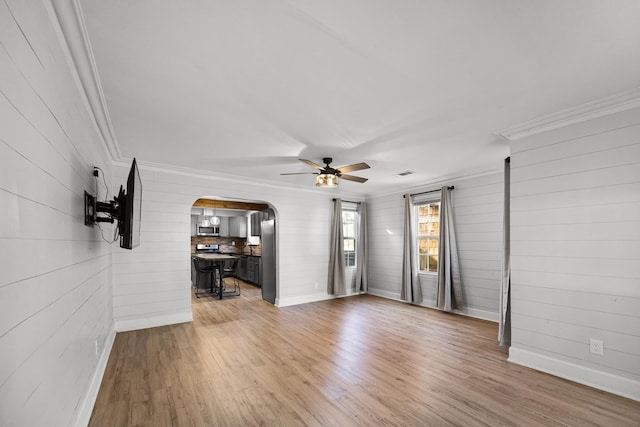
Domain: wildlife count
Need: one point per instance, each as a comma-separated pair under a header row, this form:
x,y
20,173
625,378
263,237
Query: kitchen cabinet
x,y
238,226
256,219
253,269
224,226
194,225
241,272
249,269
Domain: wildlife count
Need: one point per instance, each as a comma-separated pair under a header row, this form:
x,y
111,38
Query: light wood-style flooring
x,y
357,361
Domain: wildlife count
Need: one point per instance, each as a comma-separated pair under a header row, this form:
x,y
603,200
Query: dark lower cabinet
x,y
241,272
253,269
249,269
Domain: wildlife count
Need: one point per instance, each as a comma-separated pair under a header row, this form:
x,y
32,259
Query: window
x,y
349,221
428,215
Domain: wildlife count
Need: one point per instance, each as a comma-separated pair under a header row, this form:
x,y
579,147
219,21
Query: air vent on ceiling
x,y
405,173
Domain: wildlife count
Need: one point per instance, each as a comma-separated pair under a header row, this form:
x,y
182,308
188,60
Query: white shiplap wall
x,y
55,280
575,230
478,216
152,283
150,287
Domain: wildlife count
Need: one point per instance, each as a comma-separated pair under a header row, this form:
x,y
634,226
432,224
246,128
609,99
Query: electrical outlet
x,y
315,285
596,347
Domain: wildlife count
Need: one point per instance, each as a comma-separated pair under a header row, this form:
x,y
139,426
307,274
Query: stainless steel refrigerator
x,y
268,261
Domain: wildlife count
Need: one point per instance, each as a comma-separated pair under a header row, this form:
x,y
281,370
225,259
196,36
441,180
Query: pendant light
x,y
215,220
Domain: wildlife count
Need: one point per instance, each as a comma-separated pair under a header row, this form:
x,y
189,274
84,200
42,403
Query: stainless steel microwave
x,y
208,230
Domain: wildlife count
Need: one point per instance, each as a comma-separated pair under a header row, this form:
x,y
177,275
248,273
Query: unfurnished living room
x,y
324,213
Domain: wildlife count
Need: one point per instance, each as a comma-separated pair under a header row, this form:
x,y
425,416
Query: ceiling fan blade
x,y
354,167
354,178
312,164
300,173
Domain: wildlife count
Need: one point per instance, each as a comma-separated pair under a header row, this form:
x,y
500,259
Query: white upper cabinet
x,y
224,226
238,226
194,225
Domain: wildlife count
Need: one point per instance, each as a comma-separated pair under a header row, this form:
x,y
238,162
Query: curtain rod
x,y
348,201
427,192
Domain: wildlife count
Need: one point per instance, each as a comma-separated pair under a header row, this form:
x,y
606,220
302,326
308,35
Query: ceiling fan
x,y
328,176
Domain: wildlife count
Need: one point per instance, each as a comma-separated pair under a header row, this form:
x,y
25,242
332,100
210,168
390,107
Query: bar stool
x,y
229,270
203,268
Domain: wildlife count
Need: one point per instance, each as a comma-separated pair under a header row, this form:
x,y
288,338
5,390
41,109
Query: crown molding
x,y
217,176
434,185
68,16
603,107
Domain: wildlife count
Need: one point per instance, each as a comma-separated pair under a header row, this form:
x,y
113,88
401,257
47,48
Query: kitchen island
x,y
218,260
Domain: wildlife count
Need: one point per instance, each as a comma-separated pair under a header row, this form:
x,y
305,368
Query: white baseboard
x,y
154,321
580,374
86,407
384,294
479,314
470,312
304,299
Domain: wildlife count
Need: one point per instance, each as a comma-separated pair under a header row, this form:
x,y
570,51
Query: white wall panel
x,y
599,320
576,249
55,280
579,282
579,333
478,218
605,158
568,181
612,231
587,144
558,347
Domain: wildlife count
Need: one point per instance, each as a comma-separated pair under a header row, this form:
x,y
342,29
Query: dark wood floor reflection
x,y
354,361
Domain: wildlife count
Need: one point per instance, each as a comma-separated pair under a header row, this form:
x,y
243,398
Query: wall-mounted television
x,y
125,208
131,214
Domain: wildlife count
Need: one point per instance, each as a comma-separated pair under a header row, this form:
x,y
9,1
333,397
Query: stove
x,y
211,248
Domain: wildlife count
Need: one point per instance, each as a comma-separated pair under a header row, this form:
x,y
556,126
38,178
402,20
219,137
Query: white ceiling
x,y
246,87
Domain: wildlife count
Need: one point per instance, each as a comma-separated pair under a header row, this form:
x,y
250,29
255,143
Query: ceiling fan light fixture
x,y
326,180
327,177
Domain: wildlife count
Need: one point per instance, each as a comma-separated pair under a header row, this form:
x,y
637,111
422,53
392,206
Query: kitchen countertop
x,y
225,253
217,257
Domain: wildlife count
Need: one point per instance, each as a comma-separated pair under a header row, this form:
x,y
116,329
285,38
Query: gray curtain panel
x,y
335,279
363,250
449,278
504,323
411,290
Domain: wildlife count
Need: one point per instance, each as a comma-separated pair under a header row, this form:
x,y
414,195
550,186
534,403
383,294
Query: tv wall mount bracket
x,y
93,208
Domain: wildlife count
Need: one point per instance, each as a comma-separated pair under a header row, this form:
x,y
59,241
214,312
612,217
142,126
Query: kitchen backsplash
x,y
226,244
